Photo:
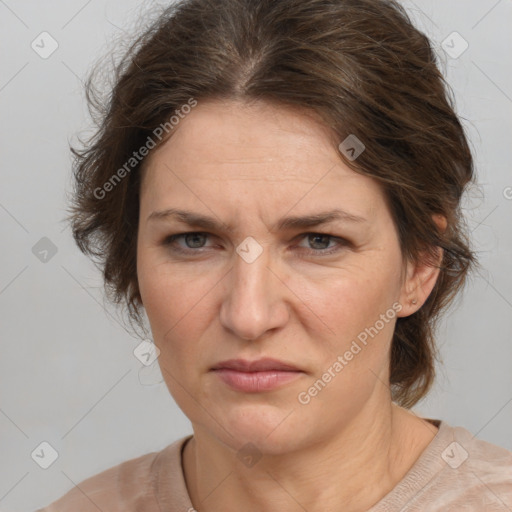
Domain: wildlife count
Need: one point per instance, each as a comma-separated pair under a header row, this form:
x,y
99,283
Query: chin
x,y
271,429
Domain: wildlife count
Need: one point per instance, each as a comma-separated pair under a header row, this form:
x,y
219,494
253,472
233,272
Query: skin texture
x,y
248,165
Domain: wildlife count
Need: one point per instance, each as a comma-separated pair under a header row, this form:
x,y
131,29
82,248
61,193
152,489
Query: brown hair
x,y
360,65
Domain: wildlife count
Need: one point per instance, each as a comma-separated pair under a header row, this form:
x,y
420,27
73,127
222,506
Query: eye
x,y
196,240
321,241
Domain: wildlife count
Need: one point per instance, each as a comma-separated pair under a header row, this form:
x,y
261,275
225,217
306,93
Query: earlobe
x,y
419,283
421,276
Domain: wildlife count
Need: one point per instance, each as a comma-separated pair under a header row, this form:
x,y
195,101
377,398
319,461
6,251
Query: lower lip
x,y
254,382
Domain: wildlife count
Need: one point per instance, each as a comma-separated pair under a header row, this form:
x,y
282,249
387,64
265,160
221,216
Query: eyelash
x,y
169,241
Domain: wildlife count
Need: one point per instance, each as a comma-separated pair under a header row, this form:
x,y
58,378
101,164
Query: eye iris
x,y
193,236
325,237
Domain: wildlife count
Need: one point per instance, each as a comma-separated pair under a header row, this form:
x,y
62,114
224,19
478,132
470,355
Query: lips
x,y
260,365
256,376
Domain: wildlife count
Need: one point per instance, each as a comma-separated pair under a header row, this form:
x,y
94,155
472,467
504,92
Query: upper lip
x,y
259,365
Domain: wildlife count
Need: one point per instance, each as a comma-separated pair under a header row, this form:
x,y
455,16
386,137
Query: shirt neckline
x,y
424,469
172,495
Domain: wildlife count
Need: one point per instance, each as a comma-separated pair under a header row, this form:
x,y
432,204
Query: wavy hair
x,y
361,65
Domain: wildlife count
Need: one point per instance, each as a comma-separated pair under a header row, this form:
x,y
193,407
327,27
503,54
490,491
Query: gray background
x,y
68,373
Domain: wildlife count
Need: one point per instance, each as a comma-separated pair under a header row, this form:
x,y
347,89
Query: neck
x,y
351,471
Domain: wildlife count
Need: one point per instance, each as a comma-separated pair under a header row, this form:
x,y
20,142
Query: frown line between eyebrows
x,y
198,220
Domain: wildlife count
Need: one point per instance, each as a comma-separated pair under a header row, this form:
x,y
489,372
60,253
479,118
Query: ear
x,y
420,278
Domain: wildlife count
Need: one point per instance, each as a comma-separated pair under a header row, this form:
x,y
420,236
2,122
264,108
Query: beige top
x,y
455,473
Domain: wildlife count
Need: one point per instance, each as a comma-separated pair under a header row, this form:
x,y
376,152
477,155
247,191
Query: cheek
x,y
351,298
172,305
356,305
174,301
353,360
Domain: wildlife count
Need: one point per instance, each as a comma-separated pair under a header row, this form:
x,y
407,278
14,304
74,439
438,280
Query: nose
x,y
255,299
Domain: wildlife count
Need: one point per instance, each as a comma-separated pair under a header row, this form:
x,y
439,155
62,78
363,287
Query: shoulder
x,y
127,486
476,473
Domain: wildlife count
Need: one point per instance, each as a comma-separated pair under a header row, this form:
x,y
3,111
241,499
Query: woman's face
x,y
251,289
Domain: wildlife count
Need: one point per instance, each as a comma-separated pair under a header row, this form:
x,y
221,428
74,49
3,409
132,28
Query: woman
x,y
277,184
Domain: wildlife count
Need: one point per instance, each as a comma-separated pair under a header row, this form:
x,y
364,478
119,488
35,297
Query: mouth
x,y
260,365
256,376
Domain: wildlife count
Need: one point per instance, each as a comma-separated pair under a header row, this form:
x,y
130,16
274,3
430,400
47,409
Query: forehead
x,y
260,150
239,135
248,127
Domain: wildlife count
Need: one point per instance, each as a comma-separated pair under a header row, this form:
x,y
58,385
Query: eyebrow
x,y
297,222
